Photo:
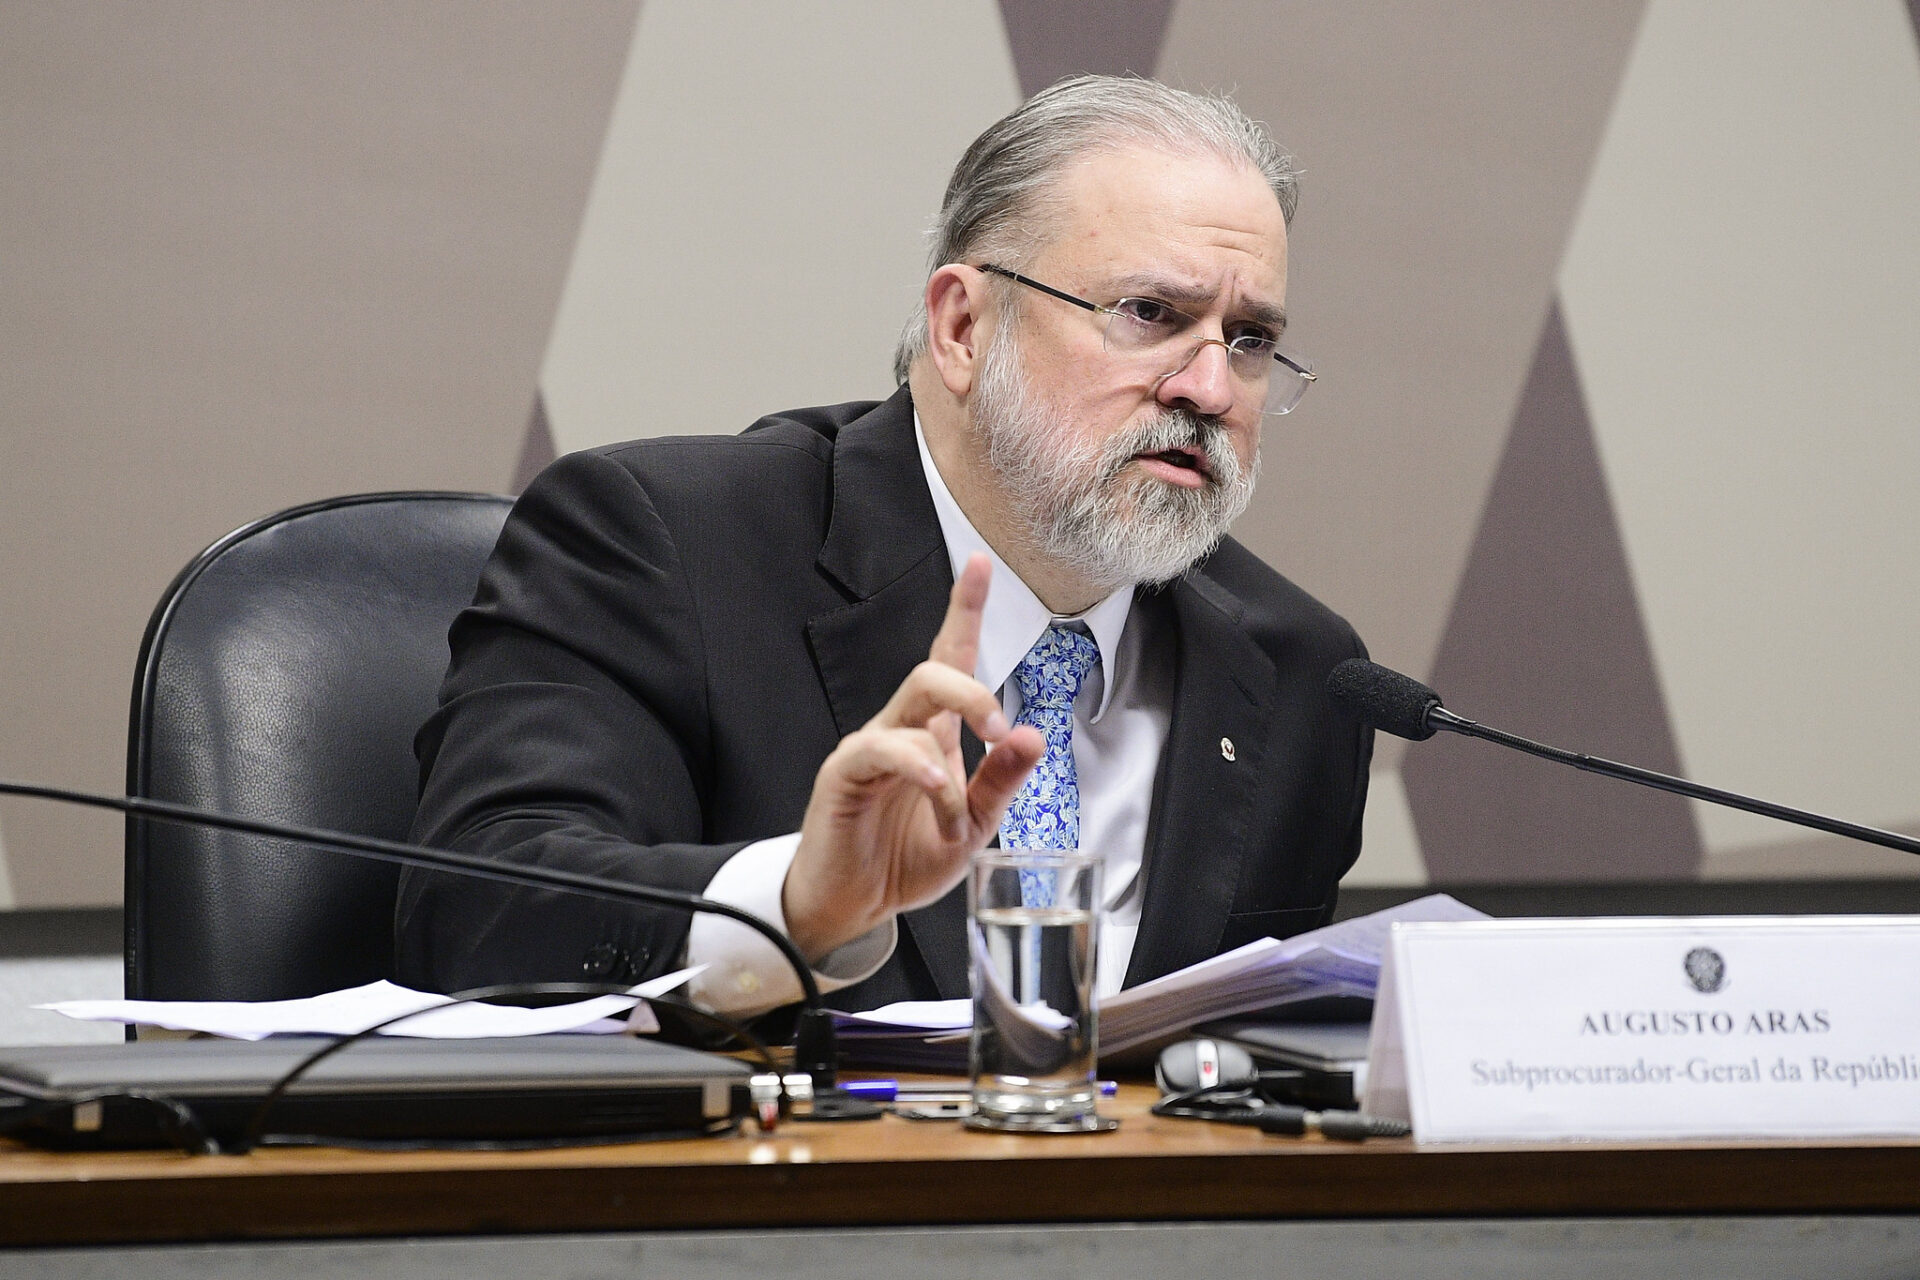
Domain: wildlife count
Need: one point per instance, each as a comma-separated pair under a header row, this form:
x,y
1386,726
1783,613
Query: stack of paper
x,y
1340,960
913,1035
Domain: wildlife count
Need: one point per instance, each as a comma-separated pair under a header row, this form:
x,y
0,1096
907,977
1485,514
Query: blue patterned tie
x,y
1046,813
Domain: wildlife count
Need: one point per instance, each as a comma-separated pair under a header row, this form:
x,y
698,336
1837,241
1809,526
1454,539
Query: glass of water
x,y
1033,935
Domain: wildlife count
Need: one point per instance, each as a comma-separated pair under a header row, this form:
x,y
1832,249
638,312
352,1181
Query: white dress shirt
x,y
1120,721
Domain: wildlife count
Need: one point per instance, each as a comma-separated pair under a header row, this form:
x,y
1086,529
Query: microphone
x,y
1402,706
1383,698
814,1045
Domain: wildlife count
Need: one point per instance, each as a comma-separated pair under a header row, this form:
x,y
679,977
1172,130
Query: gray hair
x,y
994,201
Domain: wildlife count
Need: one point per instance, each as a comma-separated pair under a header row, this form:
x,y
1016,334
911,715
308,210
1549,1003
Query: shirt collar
x,y
1014,617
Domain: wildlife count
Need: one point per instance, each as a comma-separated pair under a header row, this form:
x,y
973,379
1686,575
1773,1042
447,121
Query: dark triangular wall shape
x,y
537,450
1546,639
1055,38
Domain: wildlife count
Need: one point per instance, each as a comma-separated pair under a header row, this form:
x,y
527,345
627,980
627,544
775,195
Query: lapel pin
x,y
1226,749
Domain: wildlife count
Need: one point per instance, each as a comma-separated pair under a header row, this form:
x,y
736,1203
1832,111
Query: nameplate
x,y
1524,1030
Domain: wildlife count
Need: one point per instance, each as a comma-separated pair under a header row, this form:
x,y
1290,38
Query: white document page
x,y
357,1008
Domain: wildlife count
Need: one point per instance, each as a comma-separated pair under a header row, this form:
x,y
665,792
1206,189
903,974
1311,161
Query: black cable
x,y
1238,1104
1224,1102
256,1127
414,855
179,1124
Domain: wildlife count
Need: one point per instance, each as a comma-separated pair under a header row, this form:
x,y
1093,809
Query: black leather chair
x,y
282,676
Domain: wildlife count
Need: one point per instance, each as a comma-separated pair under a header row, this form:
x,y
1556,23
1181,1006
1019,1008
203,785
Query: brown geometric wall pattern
x,y
1745,359
537,450
1052,39
1546,641
1546,261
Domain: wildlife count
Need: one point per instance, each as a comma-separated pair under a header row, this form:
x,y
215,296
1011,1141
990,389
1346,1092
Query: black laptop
x,y
383,1090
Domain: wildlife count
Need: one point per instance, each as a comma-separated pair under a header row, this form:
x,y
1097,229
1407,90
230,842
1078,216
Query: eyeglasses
x,y
1158,337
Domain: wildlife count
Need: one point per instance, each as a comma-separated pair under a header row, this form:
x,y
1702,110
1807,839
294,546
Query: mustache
x,y
1175,429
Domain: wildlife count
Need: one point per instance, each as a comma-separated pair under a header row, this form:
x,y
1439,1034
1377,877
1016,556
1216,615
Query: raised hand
x,y
893,817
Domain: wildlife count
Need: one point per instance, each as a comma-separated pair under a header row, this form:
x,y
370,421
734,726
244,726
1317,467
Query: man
x,y
740,665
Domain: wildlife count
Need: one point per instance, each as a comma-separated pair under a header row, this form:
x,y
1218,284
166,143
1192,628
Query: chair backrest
x,y
282,676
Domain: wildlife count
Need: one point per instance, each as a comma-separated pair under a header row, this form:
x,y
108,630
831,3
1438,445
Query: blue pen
x,y
895,1091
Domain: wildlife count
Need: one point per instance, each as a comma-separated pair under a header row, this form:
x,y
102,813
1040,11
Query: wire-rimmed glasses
x,y
1163,338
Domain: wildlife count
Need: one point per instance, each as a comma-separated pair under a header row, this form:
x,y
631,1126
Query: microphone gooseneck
x,y
413,855
1400,705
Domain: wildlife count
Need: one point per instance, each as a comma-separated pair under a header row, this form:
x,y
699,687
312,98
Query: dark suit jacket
x,y
672,635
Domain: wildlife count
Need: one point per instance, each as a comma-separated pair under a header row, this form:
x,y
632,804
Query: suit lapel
x,y
1204,793
883,547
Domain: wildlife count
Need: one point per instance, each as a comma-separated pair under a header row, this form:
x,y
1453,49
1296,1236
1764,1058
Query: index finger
x,y
958,644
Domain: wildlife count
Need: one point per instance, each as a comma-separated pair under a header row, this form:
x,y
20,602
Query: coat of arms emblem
x,y
1706,969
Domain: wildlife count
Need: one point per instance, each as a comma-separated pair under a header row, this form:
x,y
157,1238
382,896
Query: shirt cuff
x,y
745,974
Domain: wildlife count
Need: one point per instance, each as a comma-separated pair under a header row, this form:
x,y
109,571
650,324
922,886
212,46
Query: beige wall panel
x,y
1445,148
254,254
1803,854
1743,300
754,240
1389,843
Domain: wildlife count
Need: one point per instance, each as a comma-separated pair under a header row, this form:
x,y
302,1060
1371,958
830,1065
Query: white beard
x,y
1074,505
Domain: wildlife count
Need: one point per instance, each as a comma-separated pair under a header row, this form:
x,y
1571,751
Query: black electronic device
x,y
1330,1057
1213,1079
553,1088
503,1091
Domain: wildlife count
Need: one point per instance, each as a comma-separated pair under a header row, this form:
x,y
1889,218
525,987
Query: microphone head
x,y
1383,698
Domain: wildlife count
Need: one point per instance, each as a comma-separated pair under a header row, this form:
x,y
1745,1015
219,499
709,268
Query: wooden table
x,y
898,1172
